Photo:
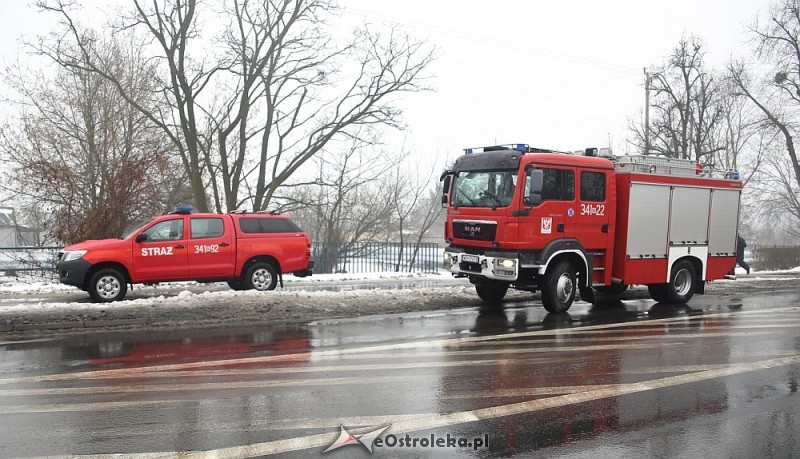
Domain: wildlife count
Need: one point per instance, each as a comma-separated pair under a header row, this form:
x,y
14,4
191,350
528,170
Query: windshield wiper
x,y
492,196
472,201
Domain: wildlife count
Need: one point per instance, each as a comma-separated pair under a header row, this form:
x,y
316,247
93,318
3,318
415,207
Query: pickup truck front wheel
x,y
261,276
107,285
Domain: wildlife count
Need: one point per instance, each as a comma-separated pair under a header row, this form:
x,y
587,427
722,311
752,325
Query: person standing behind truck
x,y
740,245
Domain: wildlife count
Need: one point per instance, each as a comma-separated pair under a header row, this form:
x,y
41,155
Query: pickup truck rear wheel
x,y
107,285
236,284
261,276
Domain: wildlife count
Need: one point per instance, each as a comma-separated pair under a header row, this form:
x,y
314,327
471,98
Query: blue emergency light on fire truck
x,y
539,219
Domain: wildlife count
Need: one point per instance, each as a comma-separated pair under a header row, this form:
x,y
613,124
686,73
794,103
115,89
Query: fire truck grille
x,y
476,231
472,267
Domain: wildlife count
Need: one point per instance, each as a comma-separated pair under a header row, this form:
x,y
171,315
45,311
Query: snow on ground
x,y
39,293
27,302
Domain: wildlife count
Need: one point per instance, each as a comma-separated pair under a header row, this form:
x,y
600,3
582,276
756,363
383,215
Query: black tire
x,y
558,287
587,294
613,289
658,292
492,294
236,284
680,288
260,276
107,285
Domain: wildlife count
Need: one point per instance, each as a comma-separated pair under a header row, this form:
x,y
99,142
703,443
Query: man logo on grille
x,y
345,438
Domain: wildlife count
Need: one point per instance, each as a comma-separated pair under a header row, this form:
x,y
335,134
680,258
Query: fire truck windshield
x,y
483,188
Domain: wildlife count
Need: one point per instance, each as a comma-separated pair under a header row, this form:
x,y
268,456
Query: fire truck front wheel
x,y
261,276
492,293
558,287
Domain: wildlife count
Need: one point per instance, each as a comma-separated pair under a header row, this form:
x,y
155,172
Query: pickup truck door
x,y
159,252
212,250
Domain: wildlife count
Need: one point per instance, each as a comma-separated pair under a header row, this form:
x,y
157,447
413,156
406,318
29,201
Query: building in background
x,y
12,234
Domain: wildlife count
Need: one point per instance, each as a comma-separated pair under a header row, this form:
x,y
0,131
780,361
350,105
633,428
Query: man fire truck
x,y
536,219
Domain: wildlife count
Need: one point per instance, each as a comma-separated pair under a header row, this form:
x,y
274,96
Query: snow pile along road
x,y
36,304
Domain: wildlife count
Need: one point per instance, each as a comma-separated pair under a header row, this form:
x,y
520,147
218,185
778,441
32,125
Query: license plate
x,y
469,259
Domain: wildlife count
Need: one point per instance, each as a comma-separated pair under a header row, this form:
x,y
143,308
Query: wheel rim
x,y
564,288
683,282
108,287
262,279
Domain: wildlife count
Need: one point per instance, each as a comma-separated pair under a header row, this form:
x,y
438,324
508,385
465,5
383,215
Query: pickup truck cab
x,y
247,250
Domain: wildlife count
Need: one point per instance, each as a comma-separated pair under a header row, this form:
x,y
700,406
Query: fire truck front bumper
x,y
495,266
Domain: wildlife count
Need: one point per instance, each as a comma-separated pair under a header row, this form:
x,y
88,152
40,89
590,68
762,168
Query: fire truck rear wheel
x,y
679,289
558,288
261,276
682,283
492,294
107,285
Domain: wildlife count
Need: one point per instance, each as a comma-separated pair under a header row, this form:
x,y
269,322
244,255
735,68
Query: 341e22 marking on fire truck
x,y
593,209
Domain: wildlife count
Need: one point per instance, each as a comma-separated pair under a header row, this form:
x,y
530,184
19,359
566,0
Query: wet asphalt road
x,y
626,379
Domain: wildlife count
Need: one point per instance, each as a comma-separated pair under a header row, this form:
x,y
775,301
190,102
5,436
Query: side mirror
x,y
447,180
141,237
537,181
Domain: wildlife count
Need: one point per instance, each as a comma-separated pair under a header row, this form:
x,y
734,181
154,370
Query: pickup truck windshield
x,y
484,188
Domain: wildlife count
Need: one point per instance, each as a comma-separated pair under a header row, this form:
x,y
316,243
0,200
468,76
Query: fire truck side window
x,y
558,185
593,186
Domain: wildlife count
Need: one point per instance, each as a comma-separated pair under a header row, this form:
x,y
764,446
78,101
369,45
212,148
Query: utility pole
x,y
646,112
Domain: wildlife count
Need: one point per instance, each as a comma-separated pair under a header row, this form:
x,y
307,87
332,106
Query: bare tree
x,y
778,96
346,204
277,93
685,111
78,150
775,94
412,195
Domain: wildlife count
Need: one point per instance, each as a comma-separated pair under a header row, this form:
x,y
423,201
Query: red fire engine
x,y
536,219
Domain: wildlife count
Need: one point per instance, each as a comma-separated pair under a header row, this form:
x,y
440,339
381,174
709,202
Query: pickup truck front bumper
x,y
73,272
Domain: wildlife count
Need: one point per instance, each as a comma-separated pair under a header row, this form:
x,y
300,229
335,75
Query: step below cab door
x,y
594,217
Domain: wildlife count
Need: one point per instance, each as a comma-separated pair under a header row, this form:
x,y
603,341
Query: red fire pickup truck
x,y
248,250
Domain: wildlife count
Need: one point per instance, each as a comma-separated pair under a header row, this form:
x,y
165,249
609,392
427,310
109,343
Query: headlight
x,y
447,260
506,263
70,255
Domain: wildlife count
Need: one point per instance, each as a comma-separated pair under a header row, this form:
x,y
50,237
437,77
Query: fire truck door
x,y
548,221
592,216
159,252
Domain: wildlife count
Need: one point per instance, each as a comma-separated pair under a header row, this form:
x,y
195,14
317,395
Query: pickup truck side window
x,y
268,225
168,230
204,228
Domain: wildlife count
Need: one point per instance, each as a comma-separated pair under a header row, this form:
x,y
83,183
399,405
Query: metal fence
x,y
359,257
370,257
26,259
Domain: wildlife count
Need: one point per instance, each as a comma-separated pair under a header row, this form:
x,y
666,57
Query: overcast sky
x,y
557,74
